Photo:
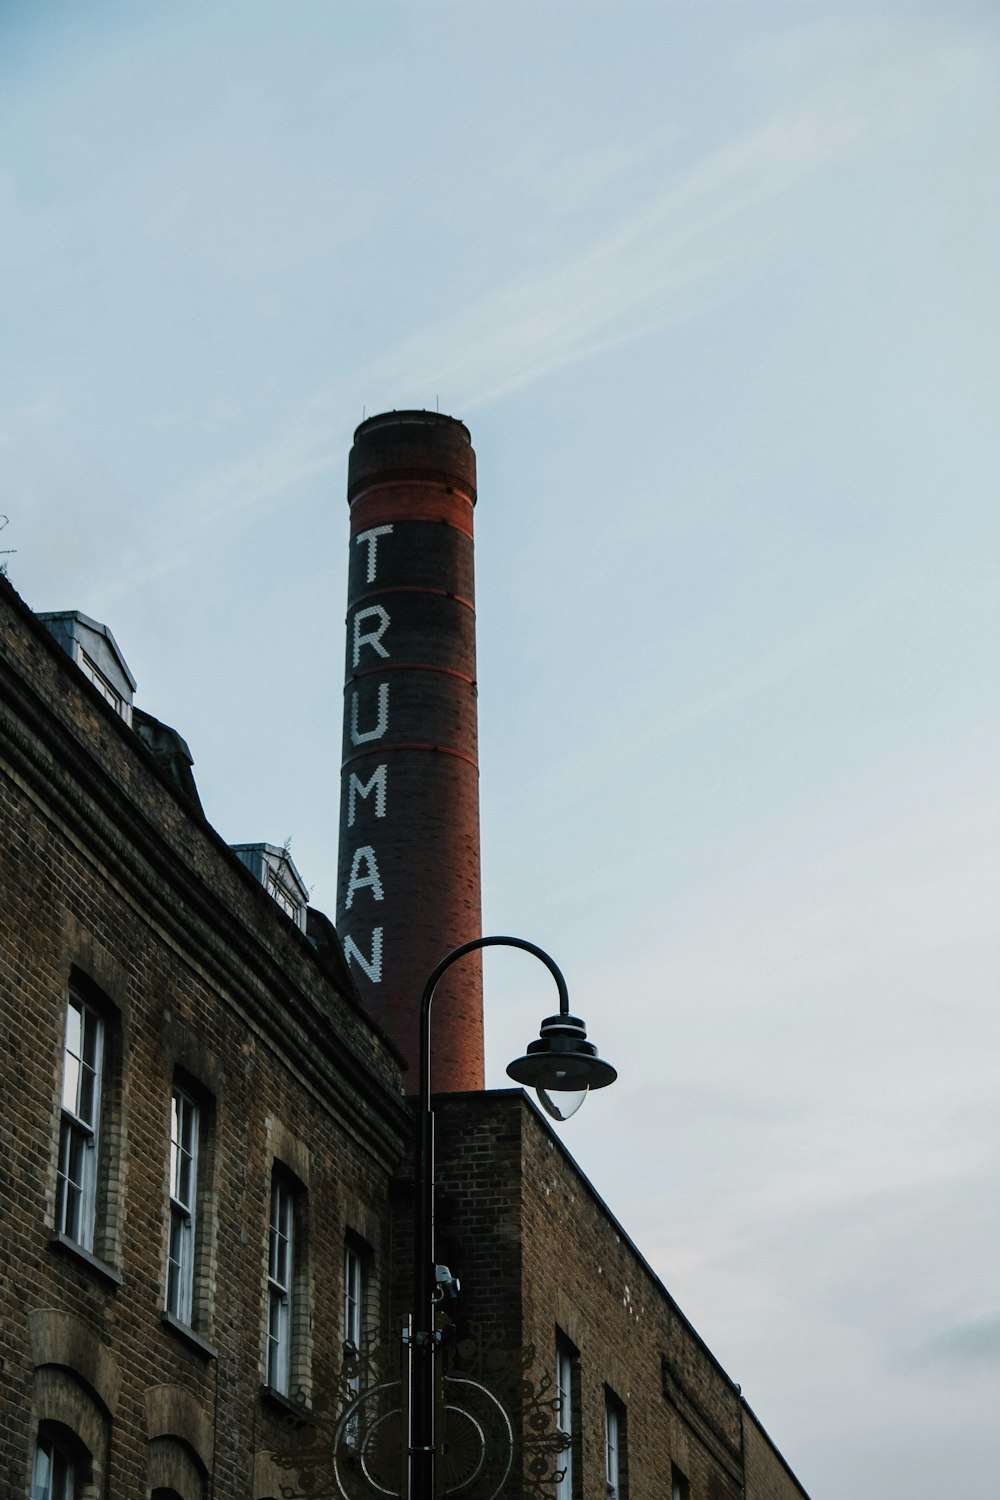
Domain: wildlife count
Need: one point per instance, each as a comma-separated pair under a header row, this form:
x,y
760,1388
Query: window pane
x,y
90,1051
77,1155
280,1261
71,1082
41,1486
183,1187
564,1420
180,1265
279,1256
276,1316
81,1061
54,1474
75,1158
612,1448
278,1344
352,1297
87,1094
187,1116
76,1173
183,1148
354,1302
94,674
74,1027
174,1135
280,1235
173,1279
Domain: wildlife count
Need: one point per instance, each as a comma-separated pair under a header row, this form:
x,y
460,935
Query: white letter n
x,y
372,967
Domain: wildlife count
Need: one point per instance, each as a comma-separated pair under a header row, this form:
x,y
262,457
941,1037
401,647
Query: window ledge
x,y
189,1335
60,1241
299,1411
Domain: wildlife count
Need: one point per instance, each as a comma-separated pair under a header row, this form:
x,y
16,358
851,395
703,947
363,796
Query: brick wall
x,y
107,876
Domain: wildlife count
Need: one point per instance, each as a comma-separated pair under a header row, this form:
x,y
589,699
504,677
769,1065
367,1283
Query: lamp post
x,y
562,1066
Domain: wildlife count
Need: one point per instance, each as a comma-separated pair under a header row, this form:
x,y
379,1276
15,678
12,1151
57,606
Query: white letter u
x,y
362,736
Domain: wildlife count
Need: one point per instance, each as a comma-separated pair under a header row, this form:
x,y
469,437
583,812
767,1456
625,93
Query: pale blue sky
x,y
715,288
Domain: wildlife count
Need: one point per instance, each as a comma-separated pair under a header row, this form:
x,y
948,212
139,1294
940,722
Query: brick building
x,y
200,1122
205,1175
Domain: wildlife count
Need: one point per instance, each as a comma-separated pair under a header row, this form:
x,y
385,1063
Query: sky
x,y
714,286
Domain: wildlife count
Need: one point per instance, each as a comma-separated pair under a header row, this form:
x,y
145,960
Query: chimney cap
x,y
411,418
396,446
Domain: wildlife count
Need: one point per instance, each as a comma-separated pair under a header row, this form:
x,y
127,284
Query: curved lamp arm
x,y
445,964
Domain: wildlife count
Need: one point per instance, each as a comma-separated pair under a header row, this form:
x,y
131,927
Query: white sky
x,y
715,287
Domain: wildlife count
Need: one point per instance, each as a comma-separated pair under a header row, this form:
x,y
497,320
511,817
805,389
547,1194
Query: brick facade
x,y
112,885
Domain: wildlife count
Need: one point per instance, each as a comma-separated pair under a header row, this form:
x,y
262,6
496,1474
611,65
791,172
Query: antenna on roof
x,y
5,551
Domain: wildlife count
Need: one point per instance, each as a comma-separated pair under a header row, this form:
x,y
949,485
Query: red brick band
x,y
412,588
410,500
388,750
408,666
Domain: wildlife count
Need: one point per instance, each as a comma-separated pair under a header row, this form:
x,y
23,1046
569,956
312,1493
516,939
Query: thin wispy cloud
x,y
585,767
654,268
672,260
973,1343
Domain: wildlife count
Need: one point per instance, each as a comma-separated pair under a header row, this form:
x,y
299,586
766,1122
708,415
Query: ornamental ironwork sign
x,y
493,1410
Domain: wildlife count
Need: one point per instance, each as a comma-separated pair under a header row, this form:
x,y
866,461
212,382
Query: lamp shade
x,y
562,1061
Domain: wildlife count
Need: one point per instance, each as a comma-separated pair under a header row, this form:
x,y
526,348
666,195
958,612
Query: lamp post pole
x,y
562,1061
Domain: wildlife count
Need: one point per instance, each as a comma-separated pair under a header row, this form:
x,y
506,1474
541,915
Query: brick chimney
x,y
408,887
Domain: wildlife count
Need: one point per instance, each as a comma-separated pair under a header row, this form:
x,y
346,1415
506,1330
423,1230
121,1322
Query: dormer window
x,y
273,867
96,653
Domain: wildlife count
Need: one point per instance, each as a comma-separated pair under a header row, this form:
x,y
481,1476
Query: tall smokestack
x,y
408,887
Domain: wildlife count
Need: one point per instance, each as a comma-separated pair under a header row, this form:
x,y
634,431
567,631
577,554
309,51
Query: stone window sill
x,y
189,1336
297,1411
63,1243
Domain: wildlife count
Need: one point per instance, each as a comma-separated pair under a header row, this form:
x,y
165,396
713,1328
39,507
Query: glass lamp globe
x,y
560,1104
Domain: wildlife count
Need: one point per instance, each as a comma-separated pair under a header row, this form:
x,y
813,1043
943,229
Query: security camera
x,y
448,1286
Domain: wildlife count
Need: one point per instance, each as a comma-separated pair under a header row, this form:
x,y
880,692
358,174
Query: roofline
x,y
65,663
734,1386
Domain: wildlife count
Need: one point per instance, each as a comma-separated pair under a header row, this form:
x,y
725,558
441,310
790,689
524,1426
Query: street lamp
x,y
562,1067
